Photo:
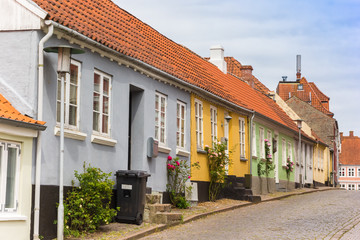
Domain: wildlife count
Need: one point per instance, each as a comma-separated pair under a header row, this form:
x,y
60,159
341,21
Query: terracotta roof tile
x,y
7,111
350,150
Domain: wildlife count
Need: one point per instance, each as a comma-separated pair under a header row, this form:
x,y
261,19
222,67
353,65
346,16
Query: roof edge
x,y
16,123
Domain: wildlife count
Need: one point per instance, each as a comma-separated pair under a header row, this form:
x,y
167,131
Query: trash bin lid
x,y
132,173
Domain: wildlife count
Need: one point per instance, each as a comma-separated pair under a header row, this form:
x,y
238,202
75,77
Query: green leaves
x,y
88,206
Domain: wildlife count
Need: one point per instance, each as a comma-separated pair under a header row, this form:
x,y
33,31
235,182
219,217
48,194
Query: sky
x,y
268,35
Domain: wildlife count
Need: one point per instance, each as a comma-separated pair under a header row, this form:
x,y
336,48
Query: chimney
x,y
351,133
217,57
341,135
298,67
246,73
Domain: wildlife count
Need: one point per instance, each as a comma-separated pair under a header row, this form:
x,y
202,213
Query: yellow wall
x,y
18,225
321,173
238,168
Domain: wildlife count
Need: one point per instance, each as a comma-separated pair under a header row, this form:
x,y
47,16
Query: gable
x,y
20,15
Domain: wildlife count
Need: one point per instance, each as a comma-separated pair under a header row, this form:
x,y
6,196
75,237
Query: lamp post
x,y
64,58
299,125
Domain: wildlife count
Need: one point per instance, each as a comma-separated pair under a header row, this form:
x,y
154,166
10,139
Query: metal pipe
x,y
251,140
39,117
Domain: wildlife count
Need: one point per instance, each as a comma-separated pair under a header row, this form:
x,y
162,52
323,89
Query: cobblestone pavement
x,y
322,215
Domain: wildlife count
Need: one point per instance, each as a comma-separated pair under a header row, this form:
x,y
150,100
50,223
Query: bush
x,y
88,206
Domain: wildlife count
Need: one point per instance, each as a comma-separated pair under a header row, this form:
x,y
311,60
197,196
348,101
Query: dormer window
x,y
300,87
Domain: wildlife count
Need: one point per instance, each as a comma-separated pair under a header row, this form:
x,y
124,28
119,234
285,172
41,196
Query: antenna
x,y
284,78
298,67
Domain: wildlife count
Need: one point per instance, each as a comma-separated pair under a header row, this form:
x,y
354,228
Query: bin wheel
x,y
139,219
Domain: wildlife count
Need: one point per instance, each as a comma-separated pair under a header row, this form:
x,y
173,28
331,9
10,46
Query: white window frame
x,y
358,172
67,104
342,172
351,186
199,124
213,122
3,177
262,142
158,134
283,150
269,137
351,172
254,152
342,185
242,137
181,125
289,151
101,113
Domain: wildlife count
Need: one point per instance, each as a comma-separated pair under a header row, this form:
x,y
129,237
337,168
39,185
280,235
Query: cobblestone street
x,y
322,215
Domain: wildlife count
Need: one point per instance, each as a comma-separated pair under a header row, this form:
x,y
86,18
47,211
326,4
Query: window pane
x,y
162,135
157,132
105,126
178,110
106,86
96,82
10,178
96,121
182,126
182,140
156,102
73,94
182,111
72,115
178,124
105,105
58,111
96,104
58,90
162,104
157,118
162,120
73,74
177,139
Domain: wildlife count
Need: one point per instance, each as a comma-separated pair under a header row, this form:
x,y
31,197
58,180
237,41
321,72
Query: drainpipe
x,y
40,117
251,138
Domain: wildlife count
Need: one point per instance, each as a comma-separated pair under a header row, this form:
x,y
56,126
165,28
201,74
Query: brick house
x,y
349,162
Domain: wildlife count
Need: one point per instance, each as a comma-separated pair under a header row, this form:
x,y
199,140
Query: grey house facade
x,y
113,105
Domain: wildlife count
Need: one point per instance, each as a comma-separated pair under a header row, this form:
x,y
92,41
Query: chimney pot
x,y
217,57
351,133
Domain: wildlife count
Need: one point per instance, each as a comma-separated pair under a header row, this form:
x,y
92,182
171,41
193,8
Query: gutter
x,y
146,66
40,117
16,123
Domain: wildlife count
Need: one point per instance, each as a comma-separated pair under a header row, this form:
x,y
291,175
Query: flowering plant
x,y
289,167
268,162
178,173
218,160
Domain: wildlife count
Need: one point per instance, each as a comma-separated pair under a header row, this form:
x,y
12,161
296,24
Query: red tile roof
x,y
7,111
106,23
310,94
350,150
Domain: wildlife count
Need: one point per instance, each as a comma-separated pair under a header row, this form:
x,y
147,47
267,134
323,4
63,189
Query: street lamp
x,y
299,125
64,58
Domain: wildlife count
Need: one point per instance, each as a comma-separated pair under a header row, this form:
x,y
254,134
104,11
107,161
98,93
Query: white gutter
x,y
40,117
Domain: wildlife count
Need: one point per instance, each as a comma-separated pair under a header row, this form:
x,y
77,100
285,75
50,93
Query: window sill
x,y
254,157
164,149
243,159
201,151
103,140
12,217
182,152
71,134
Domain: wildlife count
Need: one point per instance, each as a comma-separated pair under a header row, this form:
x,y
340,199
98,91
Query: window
x,y
180,120
358,187
213,121
101,103
253,139
71,96
242,137
283,147
342,185
269,137
351,186
160,118
199,123
289,151
358,172
9,176
262,143
342,172
351,172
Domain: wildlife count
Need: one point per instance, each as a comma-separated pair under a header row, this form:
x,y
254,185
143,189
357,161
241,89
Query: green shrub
x,y
88,206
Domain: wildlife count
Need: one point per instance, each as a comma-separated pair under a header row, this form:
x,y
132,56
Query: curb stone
x,y
163,227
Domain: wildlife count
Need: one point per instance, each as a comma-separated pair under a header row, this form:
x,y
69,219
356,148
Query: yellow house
x,y
211,121
322,163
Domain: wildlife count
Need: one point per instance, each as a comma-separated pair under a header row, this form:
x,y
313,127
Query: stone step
x,y
152,198
166,217
155,208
